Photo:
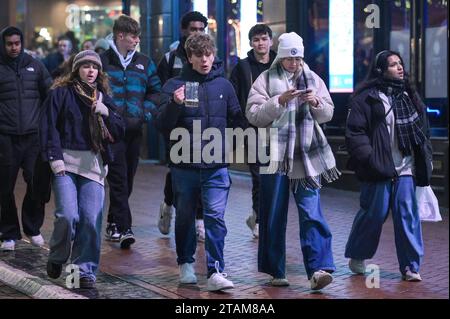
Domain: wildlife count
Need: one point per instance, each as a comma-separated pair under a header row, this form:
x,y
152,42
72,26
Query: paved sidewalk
x,y
149,270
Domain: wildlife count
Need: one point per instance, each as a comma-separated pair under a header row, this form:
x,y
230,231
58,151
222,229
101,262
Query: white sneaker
x,y
279,282
256,231
8,245
251,223
218,281
320,279
37,240
200,226
187,274
165,218
411,276
357,266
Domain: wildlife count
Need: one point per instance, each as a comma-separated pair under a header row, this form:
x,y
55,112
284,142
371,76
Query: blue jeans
x,y
213,186
79,205
375,200
315,236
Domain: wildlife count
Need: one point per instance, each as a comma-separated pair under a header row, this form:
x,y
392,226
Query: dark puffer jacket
x,y
24,83
135,89
368,141
218,108
65,125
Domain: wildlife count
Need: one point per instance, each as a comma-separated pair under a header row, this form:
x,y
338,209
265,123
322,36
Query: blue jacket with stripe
x,y
135,89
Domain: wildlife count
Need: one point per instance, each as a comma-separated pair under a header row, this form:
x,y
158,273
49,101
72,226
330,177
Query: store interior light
x,y
201,6
249,17
45,34
435,111
87,17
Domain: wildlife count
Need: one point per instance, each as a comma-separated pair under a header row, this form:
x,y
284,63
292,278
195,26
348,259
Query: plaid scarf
x,y
312,158
407,121
97,127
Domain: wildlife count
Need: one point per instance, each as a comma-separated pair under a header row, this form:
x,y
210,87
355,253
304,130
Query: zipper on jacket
x,y
19,98
206,106
390,154
125,111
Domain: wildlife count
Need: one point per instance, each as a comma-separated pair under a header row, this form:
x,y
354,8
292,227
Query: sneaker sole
x,y
323,282
187,282
163,231
411,279
220,289
126,243
278,284
107,238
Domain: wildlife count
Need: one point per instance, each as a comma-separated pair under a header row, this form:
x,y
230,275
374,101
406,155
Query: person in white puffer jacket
x,y
291,101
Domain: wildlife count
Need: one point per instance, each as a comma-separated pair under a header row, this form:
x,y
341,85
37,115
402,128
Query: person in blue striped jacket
x,y
135,86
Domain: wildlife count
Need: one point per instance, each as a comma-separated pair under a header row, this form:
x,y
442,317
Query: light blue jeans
x,y
79,205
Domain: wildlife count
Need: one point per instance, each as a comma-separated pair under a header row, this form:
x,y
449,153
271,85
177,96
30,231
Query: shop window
x,y
235,37
400,34
52,19
436,65
364,42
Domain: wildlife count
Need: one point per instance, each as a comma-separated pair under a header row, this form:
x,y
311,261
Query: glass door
x,y
433,74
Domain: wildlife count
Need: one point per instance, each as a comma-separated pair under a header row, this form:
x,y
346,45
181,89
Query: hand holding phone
x,y
303,92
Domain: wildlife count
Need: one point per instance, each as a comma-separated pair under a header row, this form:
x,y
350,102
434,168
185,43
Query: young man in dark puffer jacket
x,y
24,83
216,109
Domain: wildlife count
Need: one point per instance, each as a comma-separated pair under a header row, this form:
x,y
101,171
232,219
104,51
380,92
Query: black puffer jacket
x,y
368,141
24,83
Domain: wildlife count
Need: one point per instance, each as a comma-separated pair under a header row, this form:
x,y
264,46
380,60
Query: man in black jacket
x,y
247,70
24,83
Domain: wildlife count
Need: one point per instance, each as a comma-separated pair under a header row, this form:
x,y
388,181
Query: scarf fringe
x,y
315,182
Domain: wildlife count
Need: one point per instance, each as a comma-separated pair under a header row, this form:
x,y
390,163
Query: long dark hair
x,y
376,74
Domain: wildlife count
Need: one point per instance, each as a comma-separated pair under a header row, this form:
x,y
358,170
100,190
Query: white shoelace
x,y
216,265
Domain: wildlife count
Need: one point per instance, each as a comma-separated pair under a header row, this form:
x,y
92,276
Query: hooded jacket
x,y
218,108
24,83
135,89
245,74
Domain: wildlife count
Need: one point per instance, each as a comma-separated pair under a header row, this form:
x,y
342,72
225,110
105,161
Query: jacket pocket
x,y
380,163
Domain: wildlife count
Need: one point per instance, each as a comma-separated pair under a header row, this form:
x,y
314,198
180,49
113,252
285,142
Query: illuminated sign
x,y
249,17
341,46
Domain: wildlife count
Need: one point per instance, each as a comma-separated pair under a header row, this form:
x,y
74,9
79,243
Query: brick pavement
x,y
7,292
151,263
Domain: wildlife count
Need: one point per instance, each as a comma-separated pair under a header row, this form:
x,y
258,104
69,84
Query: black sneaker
x,y
54,270
87,283
127,239
112,234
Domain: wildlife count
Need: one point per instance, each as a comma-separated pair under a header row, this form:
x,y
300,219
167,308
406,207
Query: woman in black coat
x,y
390,151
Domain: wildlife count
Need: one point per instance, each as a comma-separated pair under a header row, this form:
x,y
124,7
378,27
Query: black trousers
x,y
120,178
168,196
18,151
254,171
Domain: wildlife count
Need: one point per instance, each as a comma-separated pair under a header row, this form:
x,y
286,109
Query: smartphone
x,y
305,91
